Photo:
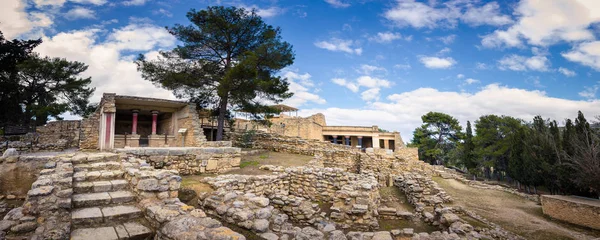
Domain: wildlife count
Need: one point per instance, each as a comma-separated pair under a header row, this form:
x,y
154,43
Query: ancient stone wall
x,y
572,209
306,128
354,198
54,136
332,155
90,126
156,192
46,211
188,160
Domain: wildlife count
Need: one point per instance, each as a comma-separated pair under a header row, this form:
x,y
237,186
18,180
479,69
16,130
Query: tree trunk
x,y
221,118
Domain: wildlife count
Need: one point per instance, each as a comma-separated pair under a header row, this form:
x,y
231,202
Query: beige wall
x,y
576,210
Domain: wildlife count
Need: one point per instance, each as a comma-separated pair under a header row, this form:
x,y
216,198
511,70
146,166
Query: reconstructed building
x,y
121,121
315,127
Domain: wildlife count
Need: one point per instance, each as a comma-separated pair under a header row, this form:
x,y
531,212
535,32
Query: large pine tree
x,y
228,58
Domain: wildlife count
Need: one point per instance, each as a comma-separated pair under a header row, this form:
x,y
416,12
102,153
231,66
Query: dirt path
x,y
512,212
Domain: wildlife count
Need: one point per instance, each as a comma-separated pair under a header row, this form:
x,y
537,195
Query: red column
x,y
154,119
134,121
108,130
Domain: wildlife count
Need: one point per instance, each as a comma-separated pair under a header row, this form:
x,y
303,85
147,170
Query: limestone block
x,y
148,184
211,165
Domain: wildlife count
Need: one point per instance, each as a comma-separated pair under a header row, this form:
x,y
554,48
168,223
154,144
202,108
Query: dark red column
x,y
154,120
134,121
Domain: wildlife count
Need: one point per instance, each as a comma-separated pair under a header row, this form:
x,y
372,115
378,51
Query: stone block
x,y
211,165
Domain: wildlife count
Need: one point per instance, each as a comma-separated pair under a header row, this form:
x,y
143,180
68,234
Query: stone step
x,y
128,230
94,157
97,166
100,186
93,216
102,198
98,175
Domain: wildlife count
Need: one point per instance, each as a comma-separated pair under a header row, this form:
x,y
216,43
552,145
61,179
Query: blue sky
x,y
363,62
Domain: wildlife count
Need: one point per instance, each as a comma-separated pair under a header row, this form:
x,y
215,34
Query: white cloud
x,y
481,66
373,82
437,63
567,72
163,12
338,3
140,37
340,45
590,92
342,82
460,76
587,53
520,63
470,81
385,37
300,85
41,3
488,14
95,2
364,81
265,12
368,69
444,51
80,13
370,95
403,111
544,23
447,14
134,2
15,21
403,66
111,70
448,39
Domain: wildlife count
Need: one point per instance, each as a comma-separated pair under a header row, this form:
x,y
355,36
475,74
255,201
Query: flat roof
x,y
146,101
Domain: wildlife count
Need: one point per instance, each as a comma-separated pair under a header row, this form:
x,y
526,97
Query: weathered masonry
x,y
315,127
127,121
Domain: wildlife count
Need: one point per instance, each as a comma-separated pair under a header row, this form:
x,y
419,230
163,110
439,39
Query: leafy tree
x,y
12,53
228,59
585,160
35,88
469,158
438,135
52,86
492,142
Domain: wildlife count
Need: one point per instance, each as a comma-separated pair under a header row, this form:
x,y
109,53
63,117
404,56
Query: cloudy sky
x,y
361,62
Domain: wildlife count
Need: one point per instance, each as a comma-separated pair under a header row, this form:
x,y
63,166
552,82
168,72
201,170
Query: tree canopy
x,y
34,88
438,135
565,160
228,58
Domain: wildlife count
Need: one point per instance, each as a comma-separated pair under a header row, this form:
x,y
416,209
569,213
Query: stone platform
x,y
188,160
577,210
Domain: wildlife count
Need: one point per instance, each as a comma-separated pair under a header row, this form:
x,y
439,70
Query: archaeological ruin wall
x,y
188,160
54,136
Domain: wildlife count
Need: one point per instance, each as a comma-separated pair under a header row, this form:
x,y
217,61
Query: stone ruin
x,y
133,194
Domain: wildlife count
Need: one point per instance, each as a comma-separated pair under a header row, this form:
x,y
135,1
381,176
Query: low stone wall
x,y
354,197
46,211
188,160
573,209
334,155
54,136
217,144
156,191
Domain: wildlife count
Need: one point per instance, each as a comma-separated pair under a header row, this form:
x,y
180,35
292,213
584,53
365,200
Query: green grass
x,y
264,156
244,164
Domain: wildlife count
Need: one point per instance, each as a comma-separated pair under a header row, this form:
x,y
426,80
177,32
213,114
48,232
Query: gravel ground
x,y
512,212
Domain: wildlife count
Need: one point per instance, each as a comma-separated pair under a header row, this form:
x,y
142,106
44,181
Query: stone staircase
x,y
103,206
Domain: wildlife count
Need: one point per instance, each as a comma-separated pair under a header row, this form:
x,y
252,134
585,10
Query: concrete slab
x,y
102,233
121,232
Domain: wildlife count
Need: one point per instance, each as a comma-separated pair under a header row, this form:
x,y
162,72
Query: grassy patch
x,y
248,163
264,156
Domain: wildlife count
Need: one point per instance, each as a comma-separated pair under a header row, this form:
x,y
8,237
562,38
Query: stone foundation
x,y
354,197
577,210
188,160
